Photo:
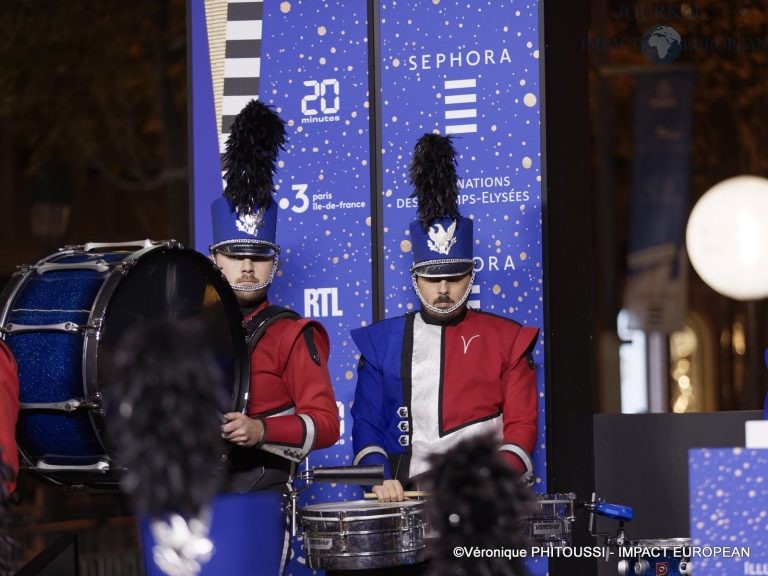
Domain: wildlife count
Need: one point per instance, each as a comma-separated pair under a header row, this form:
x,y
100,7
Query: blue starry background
x,y
321,42
492,47
728,492
324,246
499,165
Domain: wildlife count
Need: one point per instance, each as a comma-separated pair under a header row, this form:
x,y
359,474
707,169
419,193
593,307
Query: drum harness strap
x,y
256,326
255,329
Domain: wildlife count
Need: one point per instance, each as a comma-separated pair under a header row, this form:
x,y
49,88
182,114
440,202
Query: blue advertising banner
x,y
310,61
470,70
728,511
445,66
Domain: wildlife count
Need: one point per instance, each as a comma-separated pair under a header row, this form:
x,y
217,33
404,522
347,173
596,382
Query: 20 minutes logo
x,y
322,103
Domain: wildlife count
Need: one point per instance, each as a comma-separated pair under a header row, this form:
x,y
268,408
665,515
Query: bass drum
x,y
62,319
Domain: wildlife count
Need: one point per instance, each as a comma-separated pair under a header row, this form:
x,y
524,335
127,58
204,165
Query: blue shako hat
x,y
245,217
441,237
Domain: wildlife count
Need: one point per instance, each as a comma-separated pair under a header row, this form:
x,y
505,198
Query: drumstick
x,y
407,494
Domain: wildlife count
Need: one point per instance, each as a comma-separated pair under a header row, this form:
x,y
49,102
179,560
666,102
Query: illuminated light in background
x,y
727,237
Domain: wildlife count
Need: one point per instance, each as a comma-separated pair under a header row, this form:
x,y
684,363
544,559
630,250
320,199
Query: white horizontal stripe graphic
x,y
466,113
461,99
232,105
468,83
242,67
244,30
460,128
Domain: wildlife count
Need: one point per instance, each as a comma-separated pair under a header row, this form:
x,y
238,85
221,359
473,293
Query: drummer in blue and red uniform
x,y
431,378
291,408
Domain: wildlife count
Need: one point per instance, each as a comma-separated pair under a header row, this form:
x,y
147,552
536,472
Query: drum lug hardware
x,y
100,466
342,532
95,326
294,498
90,246
96,265
404,521
124,266
94,403
11,328
70,405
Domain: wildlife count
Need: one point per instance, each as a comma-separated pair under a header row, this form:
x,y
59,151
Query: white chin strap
x,y
437,310
260,285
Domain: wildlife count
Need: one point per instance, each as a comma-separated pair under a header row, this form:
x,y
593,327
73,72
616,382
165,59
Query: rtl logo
x,y
321,302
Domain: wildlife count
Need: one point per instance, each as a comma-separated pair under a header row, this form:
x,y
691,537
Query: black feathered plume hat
x,y
245,217
441,237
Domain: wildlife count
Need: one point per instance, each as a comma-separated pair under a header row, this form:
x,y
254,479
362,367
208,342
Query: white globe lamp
x,y
727,237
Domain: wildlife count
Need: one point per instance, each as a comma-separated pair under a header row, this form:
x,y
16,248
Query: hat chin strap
x,y
441,311
260,285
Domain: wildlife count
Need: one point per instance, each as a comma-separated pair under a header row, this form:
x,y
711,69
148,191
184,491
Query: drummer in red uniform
x,y
291,407
432,378
9,411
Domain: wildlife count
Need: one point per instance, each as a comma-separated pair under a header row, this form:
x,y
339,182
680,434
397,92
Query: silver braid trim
x,y
437,310
260,285
368,450
213,247
442,261
527,476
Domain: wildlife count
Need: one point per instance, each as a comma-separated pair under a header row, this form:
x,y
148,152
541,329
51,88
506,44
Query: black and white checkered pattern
x,y
242,63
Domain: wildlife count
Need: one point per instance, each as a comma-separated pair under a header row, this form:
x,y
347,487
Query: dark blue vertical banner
x,y
471,70
312,66
655,293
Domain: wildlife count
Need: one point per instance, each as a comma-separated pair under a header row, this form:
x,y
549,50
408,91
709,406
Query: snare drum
x,y
663,557
63,317
552,523
364,534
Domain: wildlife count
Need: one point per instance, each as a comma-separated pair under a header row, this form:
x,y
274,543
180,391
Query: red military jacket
x,y
290,388
423,387
9,411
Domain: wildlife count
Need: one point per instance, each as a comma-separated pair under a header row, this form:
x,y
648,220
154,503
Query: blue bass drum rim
x,y
160,280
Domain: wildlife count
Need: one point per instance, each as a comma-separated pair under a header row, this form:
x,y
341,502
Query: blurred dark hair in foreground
x,y
166,398
477,499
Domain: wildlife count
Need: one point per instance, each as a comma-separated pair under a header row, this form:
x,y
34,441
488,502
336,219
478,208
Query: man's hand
x,y
242,430
389,491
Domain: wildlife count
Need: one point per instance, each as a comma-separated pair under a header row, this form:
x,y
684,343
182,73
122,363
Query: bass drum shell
x,y
63,318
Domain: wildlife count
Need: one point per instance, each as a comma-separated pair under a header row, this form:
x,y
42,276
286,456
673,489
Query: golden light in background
x,y
738,338
682,347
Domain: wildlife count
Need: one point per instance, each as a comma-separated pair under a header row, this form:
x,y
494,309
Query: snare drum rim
x,y
660,543
556,498
370,506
